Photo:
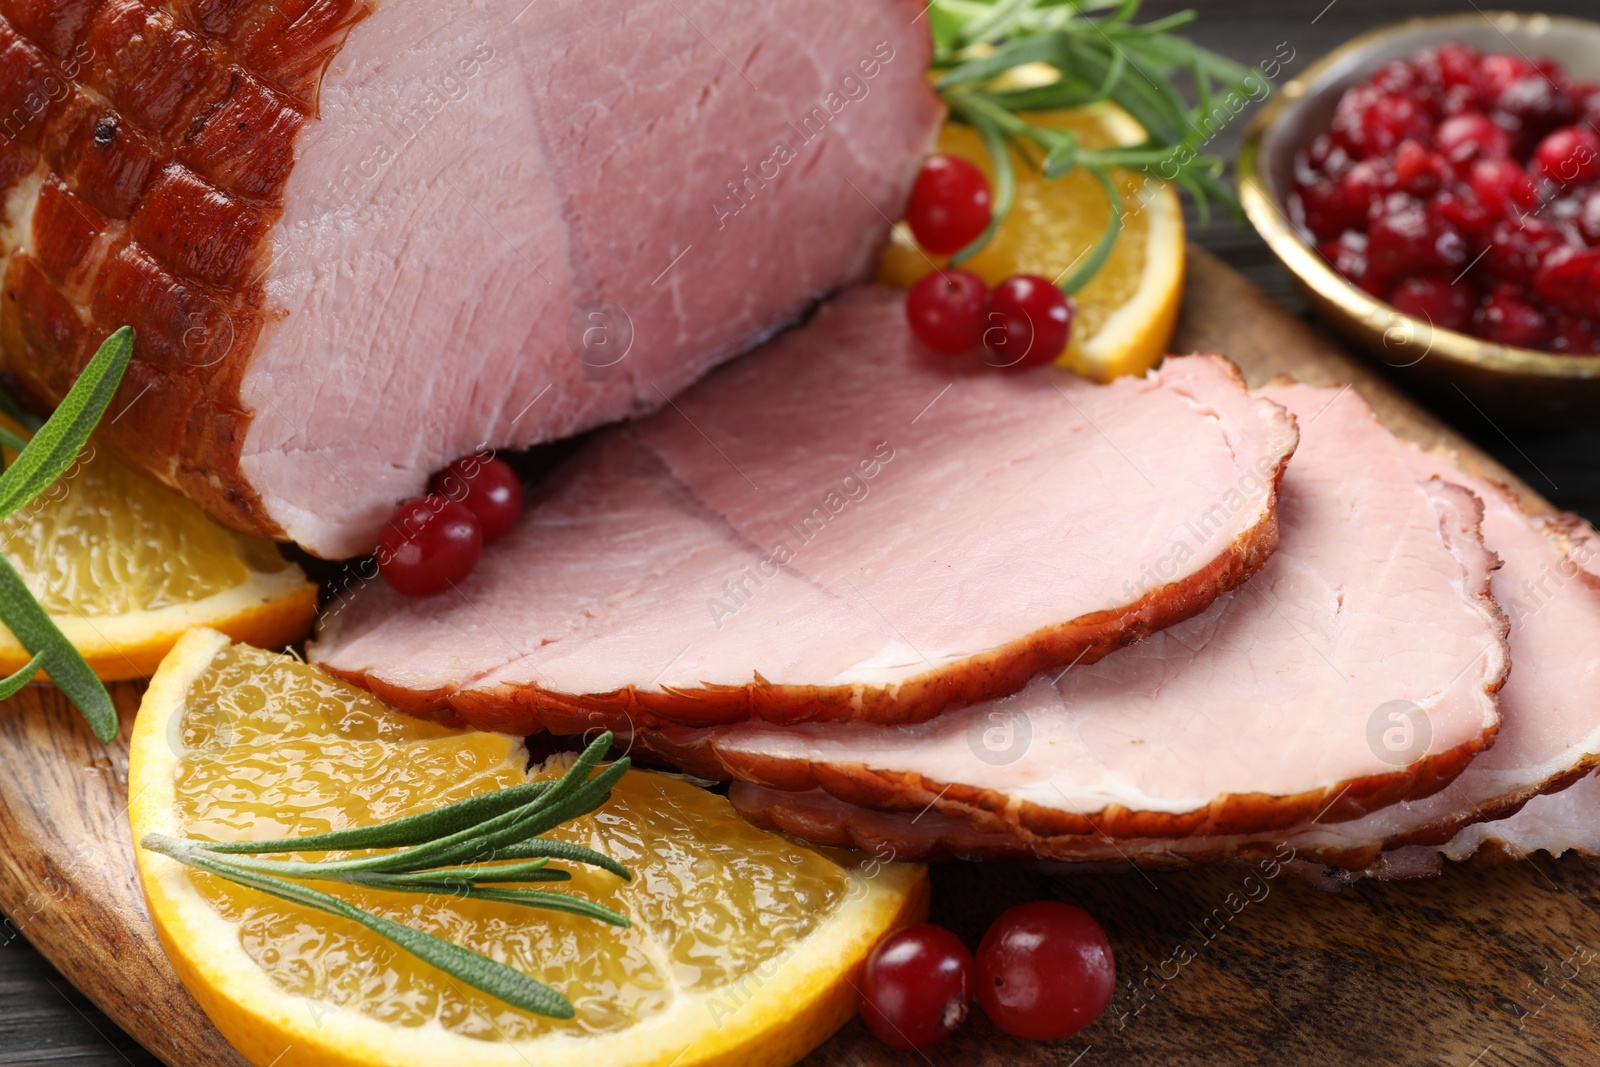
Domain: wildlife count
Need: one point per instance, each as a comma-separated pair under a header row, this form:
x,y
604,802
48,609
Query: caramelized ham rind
x,y
1220,736
841,527
359,241
140,192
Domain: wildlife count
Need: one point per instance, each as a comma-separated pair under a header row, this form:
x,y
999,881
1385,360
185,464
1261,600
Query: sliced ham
x,y
1552,710
1555,823
841,527
1268,710
1549,736
361,240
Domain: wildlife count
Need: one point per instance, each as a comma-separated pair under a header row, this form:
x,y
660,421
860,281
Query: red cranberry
x,y
1363,183
488,487
1569,156
1348,254
1573,336
1321,152
1589,217
1405,238
1586,103
1554,73
1398,76
1324,209
1569,278
1500,71
1472,135
428,545
1436,299
949,205
916,987
945,310
1503,188
1045,970
1535,103
1516,250
1507,319
1419,171
1392,119
1451,67
1462,211
1030,321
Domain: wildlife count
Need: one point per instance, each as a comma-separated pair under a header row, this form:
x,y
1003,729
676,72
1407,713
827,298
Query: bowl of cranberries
x,y
1434,189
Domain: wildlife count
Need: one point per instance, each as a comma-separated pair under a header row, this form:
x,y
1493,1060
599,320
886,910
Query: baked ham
x,y
840,526
1554,823
1551,591
1358,669
1549,736
359,240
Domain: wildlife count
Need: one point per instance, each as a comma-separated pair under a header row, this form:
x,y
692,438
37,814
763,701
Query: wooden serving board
x,y
1217,966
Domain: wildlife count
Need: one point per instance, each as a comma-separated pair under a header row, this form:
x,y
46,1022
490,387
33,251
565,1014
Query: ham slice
x,y
841,526
1549,736
1273,708
359,240
1555,823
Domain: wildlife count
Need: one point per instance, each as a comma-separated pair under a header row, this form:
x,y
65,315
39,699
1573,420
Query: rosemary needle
x,y
39,462
1108,57
478,848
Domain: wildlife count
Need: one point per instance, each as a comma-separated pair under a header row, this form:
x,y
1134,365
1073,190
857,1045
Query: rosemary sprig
x,y
1094,58
471,848
55,444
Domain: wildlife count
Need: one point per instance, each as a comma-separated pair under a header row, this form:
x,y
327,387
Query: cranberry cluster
x,y
1044,970
1464,189
1025,322
434,541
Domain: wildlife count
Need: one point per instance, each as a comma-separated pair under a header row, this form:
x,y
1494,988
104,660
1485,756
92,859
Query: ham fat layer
x,y
359,240
1271,709
841,527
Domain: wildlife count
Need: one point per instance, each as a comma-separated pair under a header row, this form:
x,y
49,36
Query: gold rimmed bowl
x,y
1518,385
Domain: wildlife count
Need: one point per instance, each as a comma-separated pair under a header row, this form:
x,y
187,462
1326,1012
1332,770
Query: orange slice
x,y
743,949
1126,314
124,567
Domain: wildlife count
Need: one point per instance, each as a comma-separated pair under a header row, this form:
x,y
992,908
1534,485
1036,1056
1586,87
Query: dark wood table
x,y
43,1020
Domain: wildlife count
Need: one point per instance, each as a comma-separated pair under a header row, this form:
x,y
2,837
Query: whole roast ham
x,y
840,526
359,240
1359,669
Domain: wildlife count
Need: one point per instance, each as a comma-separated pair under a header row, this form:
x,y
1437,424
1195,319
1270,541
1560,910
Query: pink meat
x,y
1556,823
842,526
1266,711
362,240
1549,734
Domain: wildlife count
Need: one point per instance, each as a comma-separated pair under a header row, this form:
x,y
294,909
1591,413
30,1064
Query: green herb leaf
x,y
1100,58
473,968
1101,252
1005,190
39,634
62,437
10,685
496,826
408,830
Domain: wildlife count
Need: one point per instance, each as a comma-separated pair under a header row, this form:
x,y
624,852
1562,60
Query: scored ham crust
x,y
840,526
1263,713
360,240
142,166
